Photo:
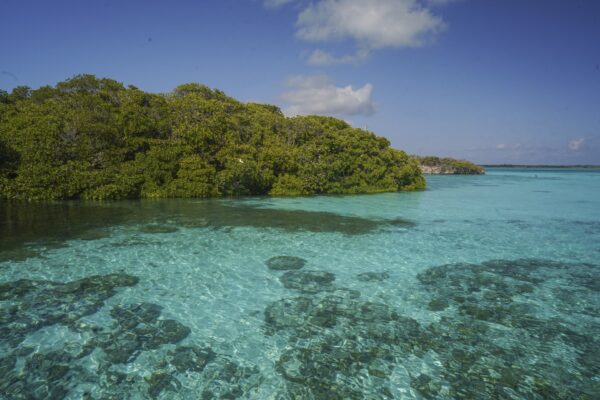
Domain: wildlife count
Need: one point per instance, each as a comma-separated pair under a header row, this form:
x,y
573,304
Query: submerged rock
x,y
283,263
191,358
496,338
438,304
31,305
502,324
227,379
130,315
510,329
160,382
373,276
43,376
334,338
287,313
426,386
307,281
137,329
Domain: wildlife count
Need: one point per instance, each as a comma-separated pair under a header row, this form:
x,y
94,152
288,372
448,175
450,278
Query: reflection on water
x,y
50,224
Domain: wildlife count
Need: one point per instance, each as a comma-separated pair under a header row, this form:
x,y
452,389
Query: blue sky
x,y
491,81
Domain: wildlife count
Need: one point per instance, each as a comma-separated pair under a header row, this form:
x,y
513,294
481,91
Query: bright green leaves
x,y
290,185
195,178
97,139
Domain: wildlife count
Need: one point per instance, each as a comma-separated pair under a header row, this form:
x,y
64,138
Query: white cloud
x,y
373,24
276,3
576,144
318,95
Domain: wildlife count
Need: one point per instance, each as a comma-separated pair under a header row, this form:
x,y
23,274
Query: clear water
x,y
416,310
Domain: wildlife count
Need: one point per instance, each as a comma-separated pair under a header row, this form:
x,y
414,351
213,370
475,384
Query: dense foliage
x,y
437,165
95,138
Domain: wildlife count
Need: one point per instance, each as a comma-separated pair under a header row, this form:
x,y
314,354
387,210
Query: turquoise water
x,y
480,287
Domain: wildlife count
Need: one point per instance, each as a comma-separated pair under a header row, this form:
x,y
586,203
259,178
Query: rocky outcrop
x,y
448,166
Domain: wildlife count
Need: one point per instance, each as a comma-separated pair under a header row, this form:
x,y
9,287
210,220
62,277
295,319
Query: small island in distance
x,y
448,166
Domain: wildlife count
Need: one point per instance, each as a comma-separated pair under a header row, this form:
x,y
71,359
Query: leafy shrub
x,y
95,138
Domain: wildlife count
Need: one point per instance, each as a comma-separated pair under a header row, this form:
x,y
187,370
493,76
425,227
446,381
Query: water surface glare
x,y
480,287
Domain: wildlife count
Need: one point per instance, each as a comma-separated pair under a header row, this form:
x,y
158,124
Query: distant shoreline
x,y
541,166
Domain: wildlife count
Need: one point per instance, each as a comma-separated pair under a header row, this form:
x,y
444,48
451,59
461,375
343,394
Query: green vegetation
x,y
91,138
448,166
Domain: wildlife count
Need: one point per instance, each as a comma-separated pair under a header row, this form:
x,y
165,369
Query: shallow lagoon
x,y
481,286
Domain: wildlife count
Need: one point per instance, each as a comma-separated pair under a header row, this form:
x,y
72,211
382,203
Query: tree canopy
x,y
93,138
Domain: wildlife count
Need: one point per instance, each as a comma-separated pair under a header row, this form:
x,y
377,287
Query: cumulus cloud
x,y
576,144
372,24
276,3
319,95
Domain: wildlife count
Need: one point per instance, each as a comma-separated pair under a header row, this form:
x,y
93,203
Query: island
x,y
448,166
95,138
